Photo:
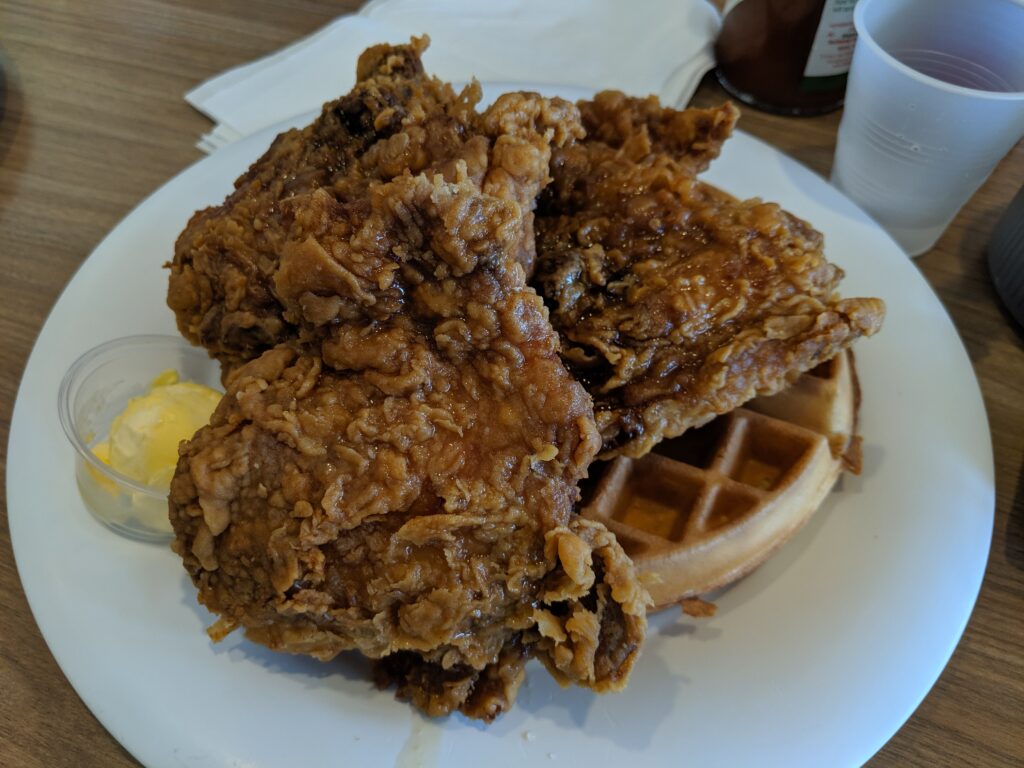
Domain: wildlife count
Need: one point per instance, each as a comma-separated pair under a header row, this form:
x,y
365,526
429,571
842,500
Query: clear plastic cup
x,y
95,389
935,99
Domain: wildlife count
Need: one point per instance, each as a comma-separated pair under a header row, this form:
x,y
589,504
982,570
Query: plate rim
x,y
18,417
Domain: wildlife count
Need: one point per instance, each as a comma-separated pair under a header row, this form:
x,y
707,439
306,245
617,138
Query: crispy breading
x,y
396,120
395,464
676,302
402,482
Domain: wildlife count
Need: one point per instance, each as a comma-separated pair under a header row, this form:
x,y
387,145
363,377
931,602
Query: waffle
x,y
708,507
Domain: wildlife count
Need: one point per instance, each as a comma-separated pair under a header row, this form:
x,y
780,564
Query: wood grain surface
x,y
93,121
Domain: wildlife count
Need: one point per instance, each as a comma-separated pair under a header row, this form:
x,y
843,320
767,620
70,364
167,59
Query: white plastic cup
x,y
935,99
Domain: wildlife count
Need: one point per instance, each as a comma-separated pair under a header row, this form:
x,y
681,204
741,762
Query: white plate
x,y
816,659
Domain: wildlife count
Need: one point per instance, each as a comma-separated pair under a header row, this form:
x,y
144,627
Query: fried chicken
x,y
396,120
394,467
676,302
642,128
401,479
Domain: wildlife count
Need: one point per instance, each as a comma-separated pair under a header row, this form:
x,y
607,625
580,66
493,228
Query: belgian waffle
x,y
706,508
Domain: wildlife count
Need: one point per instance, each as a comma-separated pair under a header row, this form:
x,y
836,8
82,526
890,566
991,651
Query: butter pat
x,y
144,438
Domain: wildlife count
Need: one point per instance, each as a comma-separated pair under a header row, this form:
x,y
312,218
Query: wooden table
x,y
94,121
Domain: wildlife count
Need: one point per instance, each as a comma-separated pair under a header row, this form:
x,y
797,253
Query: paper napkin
x,y
662,47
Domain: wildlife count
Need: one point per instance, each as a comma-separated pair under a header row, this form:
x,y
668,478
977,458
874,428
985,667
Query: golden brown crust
x,y
395,464
437,690
676,302
641,127
706,508
592,619
390,484
396,120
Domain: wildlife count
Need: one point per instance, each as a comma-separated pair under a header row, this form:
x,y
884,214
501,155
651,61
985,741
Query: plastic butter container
x,y
124,406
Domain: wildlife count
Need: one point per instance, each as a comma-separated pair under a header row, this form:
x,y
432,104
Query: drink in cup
x,y
935,99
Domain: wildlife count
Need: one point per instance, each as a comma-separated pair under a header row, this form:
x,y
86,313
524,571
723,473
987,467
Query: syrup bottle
x,y
789,57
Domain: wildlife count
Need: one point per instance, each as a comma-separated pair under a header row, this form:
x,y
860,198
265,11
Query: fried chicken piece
x,y
676,302
402,482
395,120
641,127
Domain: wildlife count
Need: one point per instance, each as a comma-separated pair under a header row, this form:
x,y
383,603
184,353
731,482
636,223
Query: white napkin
x,y
662,47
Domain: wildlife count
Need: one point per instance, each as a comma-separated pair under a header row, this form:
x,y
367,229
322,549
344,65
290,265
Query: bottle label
x,y
832,49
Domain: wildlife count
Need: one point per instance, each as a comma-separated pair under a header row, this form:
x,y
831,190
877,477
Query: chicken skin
x,y
395,120
402,480
395,465
676,302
